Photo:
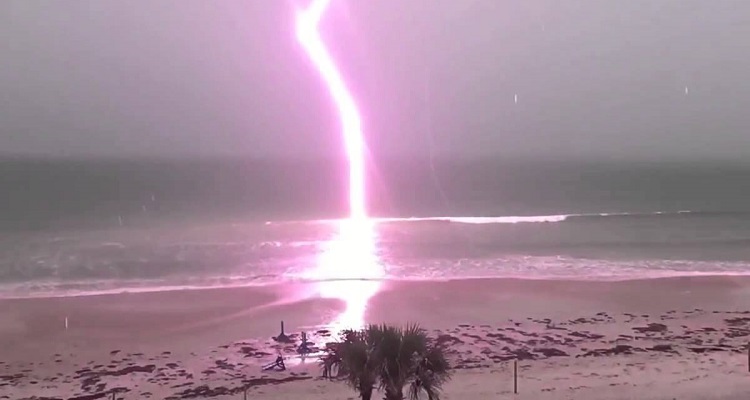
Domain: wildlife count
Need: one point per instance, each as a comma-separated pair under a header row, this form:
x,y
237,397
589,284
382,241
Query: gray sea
x,y
81,227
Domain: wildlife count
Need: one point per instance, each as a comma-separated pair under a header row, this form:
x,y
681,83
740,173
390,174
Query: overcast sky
x,y
170,77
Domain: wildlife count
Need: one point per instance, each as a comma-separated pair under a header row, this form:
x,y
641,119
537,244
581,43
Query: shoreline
x,y
303,289
387,281
223,311
167,343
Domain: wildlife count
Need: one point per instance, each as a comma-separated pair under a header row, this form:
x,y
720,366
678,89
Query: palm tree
x,y
353,360
393,358
408,358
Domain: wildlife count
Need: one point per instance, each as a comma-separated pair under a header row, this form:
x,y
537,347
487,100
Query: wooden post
x,y
748,356
282,328
515,376
113,396
245,393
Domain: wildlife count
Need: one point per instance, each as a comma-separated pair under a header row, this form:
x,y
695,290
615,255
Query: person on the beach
x,y
278,364
303,348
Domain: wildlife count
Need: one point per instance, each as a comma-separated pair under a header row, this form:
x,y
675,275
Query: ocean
x,y
82,227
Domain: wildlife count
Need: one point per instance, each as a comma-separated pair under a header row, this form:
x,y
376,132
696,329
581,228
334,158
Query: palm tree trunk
x,y
394,394
365,393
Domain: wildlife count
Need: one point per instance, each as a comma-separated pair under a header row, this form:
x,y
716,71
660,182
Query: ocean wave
x,y
535,218
92,287
482,220
534,268
431,248
571,217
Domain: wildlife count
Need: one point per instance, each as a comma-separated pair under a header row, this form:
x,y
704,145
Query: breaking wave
x,y
619,245
578,217
541,218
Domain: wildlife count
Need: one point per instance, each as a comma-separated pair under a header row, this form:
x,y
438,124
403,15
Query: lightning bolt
x,y
348,268
309,37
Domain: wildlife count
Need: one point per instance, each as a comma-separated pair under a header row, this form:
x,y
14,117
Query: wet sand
x,y
660,338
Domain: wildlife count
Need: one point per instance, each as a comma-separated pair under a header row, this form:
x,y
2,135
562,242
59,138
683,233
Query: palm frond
x,y
391,358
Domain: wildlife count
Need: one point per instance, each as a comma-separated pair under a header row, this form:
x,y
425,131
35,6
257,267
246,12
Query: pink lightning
x,y
309,37
348,268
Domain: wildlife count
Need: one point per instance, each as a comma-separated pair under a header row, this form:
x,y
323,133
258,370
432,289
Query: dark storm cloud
x,y
592,78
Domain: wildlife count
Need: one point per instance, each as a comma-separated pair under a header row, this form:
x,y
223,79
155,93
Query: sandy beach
x,y
671,338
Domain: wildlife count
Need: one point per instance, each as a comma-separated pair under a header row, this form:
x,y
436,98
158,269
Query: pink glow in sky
x,y
348,268
309,37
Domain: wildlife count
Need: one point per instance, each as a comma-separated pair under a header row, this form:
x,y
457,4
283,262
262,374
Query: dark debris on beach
x,y
234,368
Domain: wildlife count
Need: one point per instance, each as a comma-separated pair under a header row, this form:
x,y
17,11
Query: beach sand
x,y
670,338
